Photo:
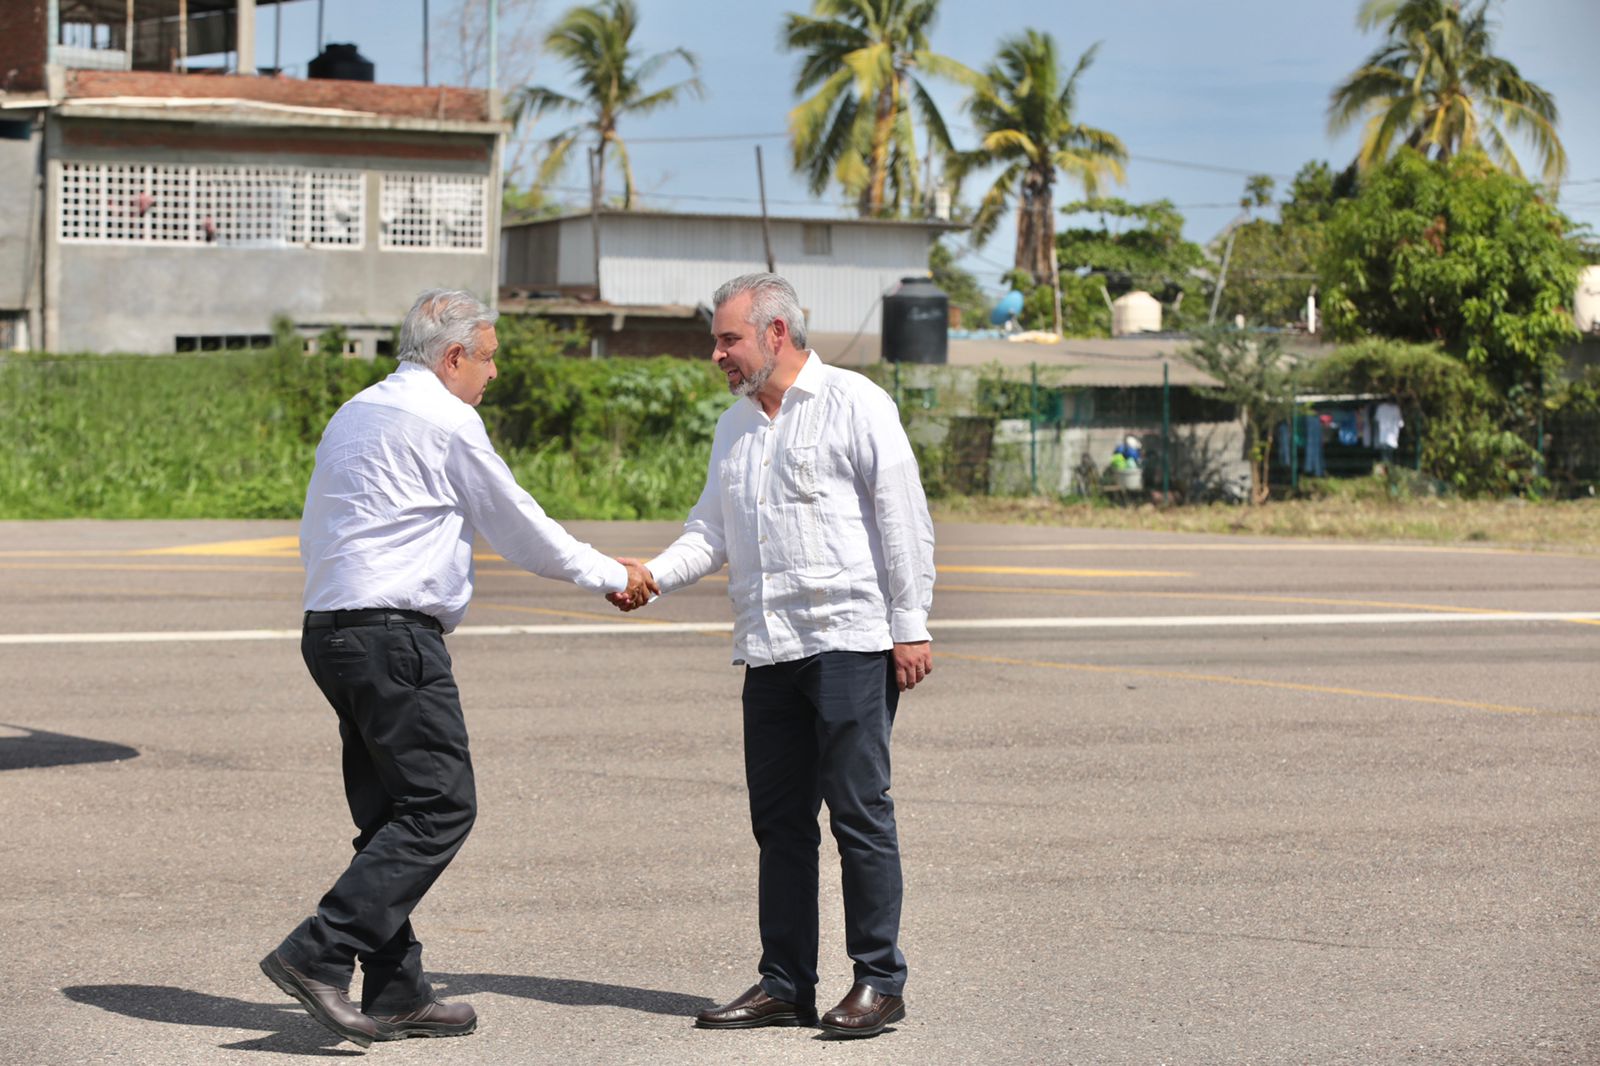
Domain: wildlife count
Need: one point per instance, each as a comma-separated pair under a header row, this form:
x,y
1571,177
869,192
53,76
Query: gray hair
x,y
772,298
440,318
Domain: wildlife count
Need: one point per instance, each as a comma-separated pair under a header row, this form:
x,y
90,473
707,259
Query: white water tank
x,y
1135,312
1586,304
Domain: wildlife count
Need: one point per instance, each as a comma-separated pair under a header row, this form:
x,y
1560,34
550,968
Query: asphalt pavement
x,y
1165,799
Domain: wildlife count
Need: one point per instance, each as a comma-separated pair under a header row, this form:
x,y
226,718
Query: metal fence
x,y
1034,430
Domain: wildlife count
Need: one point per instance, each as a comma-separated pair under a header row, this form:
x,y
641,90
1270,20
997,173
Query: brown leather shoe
x,y
431,1019
327,1004
864,1012
753,1010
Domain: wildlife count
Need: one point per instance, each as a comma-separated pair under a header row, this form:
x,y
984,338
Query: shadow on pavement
x,y
37,748
290,1030
570,993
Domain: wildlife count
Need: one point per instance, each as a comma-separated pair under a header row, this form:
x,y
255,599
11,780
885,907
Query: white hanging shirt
x,y
820,516
1387,417
405,477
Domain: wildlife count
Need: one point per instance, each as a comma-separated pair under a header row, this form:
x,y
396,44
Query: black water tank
x,y
916,323
341,62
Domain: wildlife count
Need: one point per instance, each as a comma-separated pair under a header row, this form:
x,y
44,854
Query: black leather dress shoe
x,y
753,1010
864,1012
327,1004
430,1019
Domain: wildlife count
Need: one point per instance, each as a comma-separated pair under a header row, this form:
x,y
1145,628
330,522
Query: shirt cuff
x,y
908,627
665,570
614,575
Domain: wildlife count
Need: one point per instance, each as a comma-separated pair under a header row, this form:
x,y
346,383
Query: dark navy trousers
x,y
408,780
816,730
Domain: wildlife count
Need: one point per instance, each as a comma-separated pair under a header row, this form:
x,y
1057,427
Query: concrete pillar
x,y
245,36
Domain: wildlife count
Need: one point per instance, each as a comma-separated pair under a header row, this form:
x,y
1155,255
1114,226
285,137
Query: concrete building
x,y
161,209
656,268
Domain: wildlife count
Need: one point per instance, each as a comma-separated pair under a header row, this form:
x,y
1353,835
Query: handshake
x,y
642,587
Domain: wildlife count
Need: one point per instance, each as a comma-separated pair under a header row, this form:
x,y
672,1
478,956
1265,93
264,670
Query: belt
x,y
369,616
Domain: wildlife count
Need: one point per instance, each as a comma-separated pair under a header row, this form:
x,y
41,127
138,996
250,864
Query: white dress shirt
x,y
405,476
820,516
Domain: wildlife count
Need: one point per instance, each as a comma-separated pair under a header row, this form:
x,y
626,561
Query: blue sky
x,y
1229,87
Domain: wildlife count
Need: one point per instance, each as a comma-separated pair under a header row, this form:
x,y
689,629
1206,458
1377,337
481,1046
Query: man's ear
x,y
452,355
781,330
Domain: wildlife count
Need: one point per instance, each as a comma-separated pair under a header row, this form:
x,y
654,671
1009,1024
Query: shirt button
x,y
766,462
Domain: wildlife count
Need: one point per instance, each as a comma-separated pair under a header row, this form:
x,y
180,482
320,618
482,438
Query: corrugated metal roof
x,y
708,216
1112,362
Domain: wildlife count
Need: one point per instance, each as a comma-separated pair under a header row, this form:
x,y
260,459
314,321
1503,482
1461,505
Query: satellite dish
x,y
1009,307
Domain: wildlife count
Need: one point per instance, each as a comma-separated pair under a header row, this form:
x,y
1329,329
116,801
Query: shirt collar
x,y
809,380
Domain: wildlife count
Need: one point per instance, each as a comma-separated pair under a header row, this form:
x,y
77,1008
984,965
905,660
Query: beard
x,y
749,386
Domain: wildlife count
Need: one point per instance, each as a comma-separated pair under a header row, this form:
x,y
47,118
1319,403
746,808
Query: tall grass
x,y
233,435
171,437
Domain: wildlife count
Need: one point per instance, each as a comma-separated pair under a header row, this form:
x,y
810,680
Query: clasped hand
x,y
641,587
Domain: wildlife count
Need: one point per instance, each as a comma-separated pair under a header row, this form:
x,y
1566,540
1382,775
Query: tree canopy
x,y
1457,253
1434,85
860,62
1025,111
1137,246
596,42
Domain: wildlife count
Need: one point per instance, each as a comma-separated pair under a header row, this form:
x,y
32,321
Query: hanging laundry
x,y
1345,422
1388,421
1313,464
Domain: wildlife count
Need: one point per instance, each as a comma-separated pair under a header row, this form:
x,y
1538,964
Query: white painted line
x,y
1188,621
1225,620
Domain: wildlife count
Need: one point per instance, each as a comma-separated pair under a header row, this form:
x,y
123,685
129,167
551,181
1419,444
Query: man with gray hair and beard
x,y
405,478
813,501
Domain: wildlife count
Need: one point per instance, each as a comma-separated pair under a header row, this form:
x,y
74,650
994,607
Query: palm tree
x,y
1435,86
862,58
1023,110
595,43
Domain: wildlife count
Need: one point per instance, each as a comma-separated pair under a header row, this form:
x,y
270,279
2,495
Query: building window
x,y
226,206
816,238
434,212
13,331
222,342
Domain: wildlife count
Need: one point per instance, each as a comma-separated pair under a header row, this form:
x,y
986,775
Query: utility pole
x,y
244,37
494,55
594,213
766,229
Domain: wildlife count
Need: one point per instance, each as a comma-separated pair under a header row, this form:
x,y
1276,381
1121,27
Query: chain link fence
x,y
1031,430
1035,430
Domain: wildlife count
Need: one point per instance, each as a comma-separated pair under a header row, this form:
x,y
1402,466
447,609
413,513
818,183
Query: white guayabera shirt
x,y
820,516
405,476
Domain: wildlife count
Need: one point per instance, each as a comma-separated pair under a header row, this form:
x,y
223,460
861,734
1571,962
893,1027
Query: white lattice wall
x,y
228,206
434,212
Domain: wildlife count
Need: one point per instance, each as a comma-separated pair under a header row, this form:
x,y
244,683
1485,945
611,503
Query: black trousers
x,y
817,730
408,780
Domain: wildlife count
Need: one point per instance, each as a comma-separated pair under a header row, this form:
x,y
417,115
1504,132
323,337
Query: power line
x,y
709,137
1208,167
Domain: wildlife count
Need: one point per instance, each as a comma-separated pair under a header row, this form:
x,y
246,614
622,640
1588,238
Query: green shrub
x,y
1465,429
234,434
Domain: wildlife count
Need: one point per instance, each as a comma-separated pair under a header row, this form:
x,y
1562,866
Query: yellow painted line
x,y
613,615
1222,597
83,553
1250,546
157,567
1249,682
1060,571
285,547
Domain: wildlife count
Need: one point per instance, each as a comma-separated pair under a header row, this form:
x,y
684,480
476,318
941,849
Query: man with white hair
x,y
813,500
405,478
